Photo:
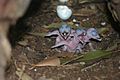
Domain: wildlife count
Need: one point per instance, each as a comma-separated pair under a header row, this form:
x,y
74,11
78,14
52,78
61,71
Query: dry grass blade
x,y
57,25
37,34
86,12
90,1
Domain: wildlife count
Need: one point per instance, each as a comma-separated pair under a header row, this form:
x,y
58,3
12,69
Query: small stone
x,y
77,25
84,20
103,23
79,78
35,70
82,63
74,20
87,19
119,67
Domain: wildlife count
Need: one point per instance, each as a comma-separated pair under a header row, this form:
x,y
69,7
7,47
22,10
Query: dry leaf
x,y
23,43
52,61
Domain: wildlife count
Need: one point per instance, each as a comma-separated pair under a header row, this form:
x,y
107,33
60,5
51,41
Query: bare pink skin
x,y
61,39
71,45
74,42
79,41
86,38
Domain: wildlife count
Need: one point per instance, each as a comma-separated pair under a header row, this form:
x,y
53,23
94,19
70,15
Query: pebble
x,y
103,23
35,70
79,78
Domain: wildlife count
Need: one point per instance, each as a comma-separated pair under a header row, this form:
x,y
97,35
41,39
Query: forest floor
x,y
30,48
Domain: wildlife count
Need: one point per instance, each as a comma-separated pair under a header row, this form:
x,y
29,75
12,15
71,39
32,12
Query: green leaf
x,y
57,25
71,59
53,25
94,55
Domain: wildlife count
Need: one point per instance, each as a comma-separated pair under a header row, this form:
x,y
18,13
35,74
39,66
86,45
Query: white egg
x,y
63,1
64,12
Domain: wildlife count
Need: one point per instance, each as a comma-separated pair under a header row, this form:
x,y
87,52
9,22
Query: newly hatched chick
x,y
87,35
74,40
63,34
72,45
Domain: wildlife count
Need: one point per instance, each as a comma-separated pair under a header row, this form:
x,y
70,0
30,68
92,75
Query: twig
x,y
116,51
18,69
23,69
91,1
89,66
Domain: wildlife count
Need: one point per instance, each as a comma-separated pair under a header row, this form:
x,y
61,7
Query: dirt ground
x,y
31,49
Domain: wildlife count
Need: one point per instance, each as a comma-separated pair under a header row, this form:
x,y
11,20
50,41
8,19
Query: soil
x,y
34,49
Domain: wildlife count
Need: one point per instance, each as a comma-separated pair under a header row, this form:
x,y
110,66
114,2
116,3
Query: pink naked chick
x,y
87,35
74,40
63,34
73,45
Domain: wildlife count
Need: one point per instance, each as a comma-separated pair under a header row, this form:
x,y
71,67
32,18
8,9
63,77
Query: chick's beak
x,y
65,35
99,39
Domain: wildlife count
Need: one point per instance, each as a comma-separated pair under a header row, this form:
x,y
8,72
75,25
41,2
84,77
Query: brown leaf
x,y
23,43
51,61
